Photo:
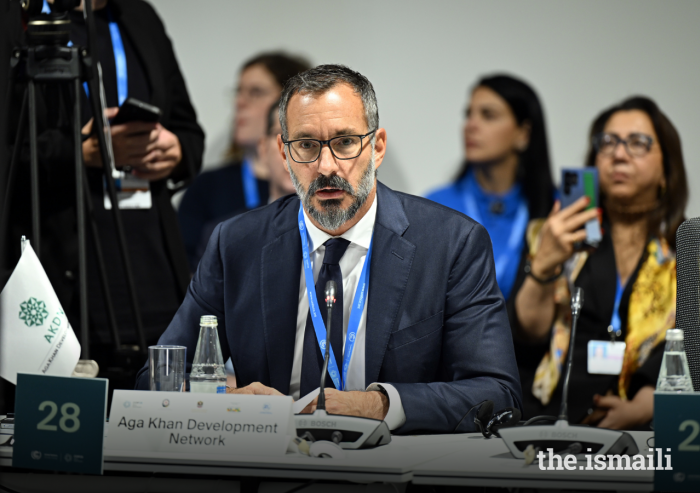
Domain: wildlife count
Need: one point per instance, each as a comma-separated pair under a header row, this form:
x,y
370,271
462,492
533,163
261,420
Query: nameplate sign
x,y
60,423
197,426
677,435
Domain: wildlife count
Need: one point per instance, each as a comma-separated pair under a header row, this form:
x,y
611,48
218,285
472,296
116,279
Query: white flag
x,y
35,336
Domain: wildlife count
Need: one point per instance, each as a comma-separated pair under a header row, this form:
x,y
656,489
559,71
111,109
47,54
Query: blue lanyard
x,y
515,239
358,305
616,322
119,59
250,185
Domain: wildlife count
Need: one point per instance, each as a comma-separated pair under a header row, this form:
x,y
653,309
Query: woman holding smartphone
x,y
505,180
629,280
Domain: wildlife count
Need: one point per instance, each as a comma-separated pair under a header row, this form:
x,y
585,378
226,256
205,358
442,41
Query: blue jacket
x,y
437,327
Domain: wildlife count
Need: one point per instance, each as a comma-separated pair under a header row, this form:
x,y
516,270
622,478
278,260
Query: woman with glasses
x,y
629,281
506,179
241,184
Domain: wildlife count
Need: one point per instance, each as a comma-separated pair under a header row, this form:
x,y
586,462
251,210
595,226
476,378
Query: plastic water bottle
x,y
208,374
675,374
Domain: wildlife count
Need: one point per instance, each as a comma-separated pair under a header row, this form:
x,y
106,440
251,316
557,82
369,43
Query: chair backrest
x,y
688,298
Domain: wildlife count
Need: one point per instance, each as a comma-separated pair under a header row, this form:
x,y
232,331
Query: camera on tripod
x,y
48,28
47,58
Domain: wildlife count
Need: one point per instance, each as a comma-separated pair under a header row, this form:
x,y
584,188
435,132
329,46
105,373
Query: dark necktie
x,y
312,360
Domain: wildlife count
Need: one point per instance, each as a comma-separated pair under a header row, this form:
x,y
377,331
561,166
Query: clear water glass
x,y
166,365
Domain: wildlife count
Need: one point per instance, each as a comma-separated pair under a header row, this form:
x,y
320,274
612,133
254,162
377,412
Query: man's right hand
x,y
561,231
255,388
133,143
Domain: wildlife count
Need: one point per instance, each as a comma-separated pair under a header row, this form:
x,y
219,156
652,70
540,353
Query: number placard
x,y
59,423
677,433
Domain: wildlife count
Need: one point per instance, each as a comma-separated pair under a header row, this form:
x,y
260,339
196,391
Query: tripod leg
x,y
11,175
80,211
34,168
111,317
95,91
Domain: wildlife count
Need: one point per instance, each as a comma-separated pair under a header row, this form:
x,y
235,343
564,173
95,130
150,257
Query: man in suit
x,y
432,338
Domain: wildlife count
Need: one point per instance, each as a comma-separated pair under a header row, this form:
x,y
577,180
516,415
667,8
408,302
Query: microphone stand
x,y
563,437
349,432
576,305
330,300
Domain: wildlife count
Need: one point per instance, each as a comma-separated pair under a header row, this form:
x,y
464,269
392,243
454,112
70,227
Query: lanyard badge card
x,y
132,192
606,357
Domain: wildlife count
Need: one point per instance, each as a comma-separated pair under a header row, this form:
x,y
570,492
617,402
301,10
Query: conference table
x,y
447,460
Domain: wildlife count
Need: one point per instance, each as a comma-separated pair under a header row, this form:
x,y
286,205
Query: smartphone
x,y
577,183
133,110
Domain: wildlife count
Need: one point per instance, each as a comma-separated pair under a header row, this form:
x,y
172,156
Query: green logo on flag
x,y
33,312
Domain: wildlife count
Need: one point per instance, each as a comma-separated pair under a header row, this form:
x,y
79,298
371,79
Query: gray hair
x,y
319,80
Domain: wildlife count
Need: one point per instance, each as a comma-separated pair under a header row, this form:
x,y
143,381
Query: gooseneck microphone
x,y
576,305
331,288
337,430
563,437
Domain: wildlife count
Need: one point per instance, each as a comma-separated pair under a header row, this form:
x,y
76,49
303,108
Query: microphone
x,y
576,305
563,437
347,432
330,301
688,297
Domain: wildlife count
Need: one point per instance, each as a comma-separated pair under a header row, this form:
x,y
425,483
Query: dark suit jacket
x,y
215,195
140,22
437,327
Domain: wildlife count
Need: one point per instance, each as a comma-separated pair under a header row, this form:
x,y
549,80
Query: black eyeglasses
x,y
343,147
637,144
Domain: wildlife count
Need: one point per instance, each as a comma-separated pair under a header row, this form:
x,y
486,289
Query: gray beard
x,y
332,216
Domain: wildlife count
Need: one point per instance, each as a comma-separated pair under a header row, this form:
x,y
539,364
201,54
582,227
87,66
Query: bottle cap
x,y
209,321
674,335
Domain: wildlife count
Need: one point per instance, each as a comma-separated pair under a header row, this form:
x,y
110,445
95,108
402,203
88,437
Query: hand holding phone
x,y
577,183
562,234
138,140
133,110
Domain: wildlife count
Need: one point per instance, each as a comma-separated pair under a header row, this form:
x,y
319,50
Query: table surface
x,y
466,459
480,462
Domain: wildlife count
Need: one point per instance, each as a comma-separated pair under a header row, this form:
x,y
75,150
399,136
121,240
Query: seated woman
x,y
505,179
629,281
241,184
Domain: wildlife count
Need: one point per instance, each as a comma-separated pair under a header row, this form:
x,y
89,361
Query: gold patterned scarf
x,y
652,310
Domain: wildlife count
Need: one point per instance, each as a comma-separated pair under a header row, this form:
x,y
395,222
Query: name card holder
x,y
59,423
677,433
198,426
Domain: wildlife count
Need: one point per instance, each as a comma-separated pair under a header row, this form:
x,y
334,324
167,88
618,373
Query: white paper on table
x,y
304,401
198,426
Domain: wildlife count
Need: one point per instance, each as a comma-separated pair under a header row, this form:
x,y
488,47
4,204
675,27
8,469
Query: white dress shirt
x,y
351,265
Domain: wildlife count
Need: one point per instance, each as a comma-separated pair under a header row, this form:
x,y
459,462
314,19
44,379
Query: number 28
x,y
69,413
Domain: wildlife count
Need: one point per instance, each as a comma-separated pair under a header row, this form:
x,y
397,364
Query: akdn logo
x,y
33,312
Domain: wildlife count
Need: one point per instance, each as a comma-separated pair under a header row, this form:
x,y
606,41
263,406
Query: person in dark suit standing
x,y
137,60
425,332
